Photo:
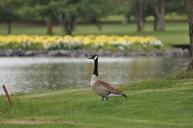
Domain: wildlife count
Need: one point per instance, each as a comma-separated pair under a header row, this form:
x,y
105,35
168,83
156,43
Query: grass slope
x,y
166,103
176,32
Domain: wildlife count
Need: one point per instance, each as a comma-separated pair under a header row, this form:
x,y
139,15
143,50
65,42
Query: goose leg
x,y
107,98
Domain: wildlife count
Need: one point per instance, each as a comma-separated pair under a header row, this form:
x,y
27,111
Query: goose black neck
x,y
95,72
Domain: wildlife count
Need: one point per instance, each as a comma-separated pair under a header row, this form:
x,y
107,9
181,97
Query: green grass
x,y
176,32
165,103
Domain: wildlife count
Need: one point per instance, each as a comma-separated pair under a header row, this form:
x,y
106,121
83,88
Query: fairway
x,y
176,32
163,103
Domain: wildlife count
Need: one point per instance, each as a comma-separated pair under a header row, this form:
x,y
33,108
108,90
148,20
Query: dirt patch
x,y
37,122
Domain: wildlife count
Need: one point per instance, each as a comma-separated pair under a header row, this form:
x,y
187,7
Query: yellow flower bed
x,y
78,42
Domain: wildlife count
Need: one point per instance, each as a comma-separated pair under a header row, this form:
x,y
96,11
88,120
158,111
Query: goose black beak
x,y
90,58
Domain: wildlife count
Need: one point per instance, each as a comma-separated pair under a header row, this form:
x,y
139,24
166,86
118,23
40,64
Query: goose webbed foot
x,y
105,98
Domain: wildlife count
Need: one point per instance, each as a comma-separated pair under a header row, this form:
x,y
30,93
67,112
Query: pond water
x,y
30,74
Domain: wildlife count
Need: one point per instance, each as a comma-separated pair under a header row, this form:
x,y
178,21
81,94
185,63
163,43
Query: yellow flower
x,y
91,40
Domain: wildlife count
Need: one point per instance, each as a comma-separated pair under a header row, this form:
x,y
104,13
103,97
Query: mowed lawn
x,y
176,32
166,103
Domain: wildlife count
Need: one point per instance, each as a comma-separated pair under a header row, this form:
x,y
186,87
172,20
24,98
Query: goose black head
x,y
93,57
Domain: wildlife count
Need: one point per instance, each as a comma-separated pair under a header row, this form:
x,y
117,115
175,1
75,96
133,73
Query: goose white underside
x,y
114,95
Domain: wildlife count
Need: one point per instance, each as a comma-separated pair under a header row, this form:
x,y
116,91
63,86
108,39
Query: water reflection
x,y
27,74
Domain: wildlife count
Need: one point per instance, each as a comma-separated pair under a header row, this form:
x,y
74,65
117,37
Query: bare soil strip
x,y
37,122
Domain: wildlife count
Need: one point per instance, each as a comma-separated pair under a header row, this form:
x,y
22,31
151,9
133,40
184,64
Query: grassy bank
x,y
163,103
176,32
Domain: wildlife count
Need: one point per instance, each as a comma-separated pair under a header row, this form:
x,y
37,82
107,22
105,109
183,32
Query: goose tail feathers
x,y
124,95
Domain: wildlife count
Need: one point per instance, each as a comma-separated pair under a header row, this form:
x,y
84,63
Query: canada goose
x,y
100,87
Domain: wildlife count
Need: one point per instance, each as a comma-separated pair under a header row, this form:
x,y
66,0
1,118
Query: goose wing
x,y
108,87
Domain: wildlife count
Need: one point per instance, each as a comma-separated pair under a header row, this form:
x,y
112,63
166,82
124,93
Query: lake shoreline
x,y
86,53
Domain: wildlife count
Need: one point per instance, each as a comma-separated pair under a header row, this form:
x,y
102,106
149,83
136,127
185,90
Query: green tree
x,y
175,6
70,11
8,12
39,8
137,9
159,8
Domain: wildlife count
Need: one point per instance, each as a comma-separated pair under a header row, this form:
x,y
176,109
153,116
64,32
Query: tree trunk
x,y
73,23
69,24
98,24
189,6
67,28
8,27
126,19
140,15
159,15
49,25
